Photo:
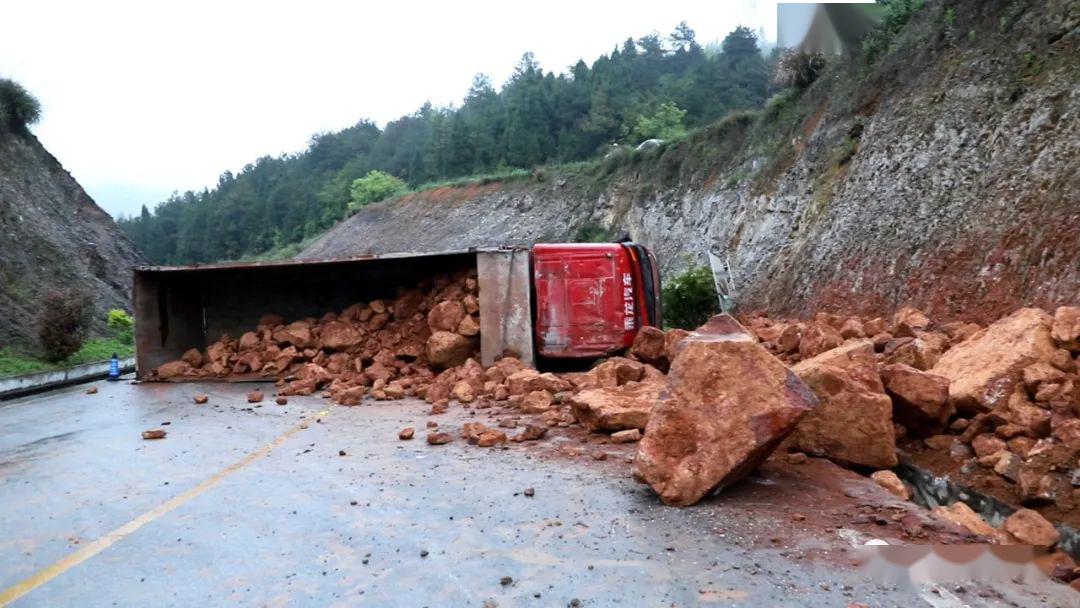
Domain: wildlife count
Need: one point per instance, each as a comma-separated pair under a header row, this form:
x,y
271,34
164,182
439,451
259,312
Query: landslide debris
x,y
997,406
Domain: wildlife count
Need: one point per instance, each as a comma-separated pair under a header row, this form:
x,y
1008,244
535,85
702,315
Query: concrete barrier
x,y
15,386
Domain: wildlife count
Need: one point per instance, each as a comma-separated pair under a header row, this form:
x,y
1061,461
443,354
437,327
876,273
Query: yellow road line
x,y
90,550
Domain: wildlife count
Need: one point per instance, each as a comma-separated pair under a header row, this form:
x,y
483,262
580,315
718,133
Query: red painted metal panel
x,y
585,299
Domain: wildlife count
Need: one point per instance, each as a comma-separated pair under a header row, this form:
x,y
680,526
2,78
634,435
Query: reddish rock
x,y
469,326
616,408
173,369
154,434
1021,411
920,399
524,381
249,340
672,339
439,438
987,444
531,432
297,333
908,320
406,433
192,357
649,347
962,515
854,422
915,352
852,329
471,303
1030,528
446,349
818,338
201,399
1040,373
491,438
255,396
892,483
1066,327
627,436
728,404
341,336
463,392
536,402
982,369
1062,359
446,316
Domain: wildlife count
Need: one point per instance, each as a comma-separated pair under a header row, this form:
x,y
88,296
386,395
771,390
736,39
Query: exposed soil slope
x,y
52,235
943,176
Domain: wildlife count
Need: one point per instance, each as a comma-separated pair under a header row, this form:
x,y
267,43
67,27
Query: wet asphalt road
x,y
243,505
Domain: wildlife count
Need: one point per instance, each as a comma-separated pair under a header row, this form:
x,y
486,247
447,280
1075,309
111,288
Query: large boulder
x,y
854,423
173,369
448,349
920,399
983,369
616,408
727,405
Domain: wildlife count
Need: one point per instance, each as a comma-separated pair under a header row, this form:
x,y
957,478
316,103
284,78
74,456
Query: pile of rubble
x,y
385,349
710,405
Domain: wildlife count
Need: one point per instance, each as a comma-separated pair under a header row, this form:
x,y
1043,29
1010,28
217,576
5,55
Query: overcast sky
x,y
141,99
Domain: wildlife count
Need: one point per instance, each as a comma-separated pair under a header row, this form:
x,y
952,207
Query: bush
x,y
374,187
18,108
122,325
799,69
62,323
689,298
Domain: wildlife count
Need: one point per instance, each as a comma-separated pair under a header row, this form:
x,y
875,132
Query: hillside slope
x,y
52,235
942,174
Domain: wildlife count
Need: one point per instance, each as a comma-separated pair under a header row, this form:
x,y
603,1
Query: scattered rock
x,y
616,408
892,483
439,438
281,400
491,438
201,399
255,396
92,390
406,433
154,434
627,436
1030,528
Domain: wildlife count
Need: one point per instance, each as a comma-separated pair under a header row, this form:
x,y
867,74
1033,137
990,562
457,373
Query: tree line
x,y
649,87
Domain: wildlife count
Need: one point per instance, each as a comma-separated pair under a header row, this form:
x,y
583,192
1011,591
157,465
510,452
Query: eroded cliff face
x,y
53,236
946,176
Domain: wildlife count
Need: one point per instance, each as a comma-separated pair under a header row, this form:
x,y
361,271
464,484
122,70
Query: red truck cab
x,y
591,298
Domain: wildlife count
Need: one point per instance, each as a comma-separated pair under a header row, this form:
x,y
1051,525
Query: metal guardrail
x,y
17,386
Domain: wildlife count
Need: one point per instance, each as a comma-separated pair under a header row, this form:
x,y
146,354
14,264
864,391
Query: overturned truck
x,y
554,301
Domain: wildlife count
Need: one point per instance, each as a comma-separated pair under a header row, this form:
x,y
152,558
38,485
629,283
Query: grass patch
x,y
483,179
99,349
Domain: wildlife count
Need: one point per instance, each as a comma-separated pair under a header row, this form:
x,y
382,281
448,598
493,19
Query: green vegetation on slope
x,y
18,108
650,87
99,349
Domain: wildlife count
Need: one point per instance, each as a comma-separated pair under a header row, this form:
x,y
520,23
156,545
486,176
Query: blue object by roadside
x,y
114,368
